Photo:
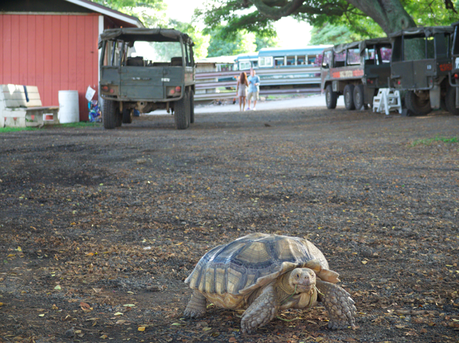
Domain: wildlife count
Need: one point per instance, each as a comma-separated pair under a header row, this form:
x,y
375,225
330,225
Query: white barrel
x,y
69,111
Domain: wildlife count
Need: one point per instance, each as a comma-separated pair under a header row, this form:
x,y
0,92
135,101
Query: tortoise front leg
x,y
196,306
263,309
339,304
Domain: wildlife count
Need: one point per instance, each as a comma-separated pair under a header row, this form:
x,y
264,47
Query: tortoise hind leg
x,y
196,306
339,304
263,309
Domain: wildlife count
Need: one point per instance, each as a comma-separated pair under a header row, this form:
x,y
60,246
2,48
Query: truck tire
x,y
119,119
349,97
191,107
418,106
182,112
359,97
330,97
110,112
450,101
127,116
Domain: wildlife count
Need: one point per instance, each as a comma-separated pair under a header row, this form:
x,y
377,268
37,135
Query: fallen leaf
x,y
141,328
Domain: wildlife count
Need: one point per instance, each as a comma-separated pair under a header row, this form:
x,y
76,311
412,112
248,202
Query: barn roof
x,y
67,7
107,11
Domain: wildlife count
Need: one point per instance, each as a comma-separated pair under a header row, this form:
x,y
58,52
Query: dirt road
x,y
99,228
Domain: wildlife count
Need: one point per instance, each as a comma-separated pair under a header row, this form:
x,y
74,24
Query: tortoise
x,y
265,273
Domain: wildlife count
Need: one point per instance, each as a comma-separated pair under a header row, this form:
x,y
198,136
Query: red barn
x,y
52,44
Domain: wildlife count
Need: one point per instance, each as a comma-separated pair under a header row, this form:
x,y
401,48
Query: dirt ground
x,y
99,228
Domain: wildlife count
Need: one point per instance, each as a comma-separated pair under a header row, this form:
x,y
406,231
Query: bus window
x,y
244,65
301,60
290,60
278,61
254,64
265,62
311,59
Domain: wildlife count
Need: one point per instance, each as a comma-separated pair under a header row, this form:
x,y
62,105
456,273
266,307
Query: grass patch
x,y
429,141
81,124
16,129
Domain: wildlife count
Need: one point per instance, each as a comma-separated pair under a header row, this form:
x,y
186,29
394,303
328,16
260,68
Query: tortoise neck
x,y
284,286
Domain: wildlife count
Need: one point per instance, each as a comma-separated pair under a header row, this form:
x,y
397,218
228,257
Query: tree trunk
x,y
389,14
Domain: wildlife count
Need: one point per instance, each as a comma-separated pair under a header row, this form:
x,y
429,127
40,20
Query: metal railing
x,y
286,80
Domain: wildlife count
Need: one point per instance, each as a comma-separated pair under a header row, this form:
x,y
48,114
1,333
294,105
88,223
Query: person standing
x,y
254,89
241,90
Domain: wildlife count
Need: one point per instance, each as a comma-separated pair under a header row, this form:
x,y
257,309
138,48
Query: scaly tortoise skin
x,y
263,274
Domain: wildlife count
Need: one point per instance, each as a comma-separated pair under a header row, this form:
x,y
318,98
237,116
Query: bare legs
x,y
242,103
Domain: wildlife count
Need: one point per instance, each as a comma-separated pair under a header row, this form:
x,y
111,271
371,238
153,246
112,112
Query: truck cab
x,y
356,70
452,96
145,70
420,65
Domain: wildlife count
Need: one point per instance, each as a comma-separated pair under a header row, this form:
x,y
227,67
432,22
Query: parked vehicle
x,y
452,95
421,65
145,70
284,69
356,70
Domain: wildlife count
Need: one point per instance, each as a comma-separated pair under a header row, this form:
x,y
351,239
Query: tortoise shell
x,y
251,262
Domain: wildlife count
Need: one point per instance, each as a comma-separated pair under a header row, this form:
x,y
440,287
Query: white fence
x,y
287,80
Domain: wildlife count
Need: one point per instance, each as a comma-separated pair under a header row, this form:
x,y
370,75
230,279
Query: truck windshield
x,y
155,51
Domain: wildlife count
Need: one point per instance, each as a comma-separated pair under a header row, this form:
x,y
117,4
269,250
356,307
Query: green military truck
x,y
144,70
421,65
452,95
357,71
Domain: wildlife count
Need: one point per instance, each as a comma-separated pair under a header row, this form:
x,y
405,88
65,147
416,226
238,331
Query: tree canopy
x,y
365,18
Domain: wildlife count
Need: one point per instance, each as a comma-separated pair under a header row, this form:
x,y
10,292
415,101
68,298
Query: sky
x,y
288,29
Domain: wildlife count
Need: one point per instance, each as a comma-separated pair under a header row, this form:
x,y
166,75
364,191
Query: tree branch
x,y
275,13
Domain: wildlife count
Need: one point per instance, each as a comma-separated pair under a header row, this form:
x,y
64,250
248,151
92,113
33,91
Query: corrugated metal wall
x,y
52,52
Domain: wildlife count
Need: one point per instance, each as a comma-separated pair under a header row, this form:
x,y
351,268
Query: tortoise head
x,y
303,280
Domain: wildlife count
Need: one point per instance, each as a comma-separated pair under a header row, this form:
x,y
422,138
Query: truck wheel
x,y
191,107
450,101
417,105
349,97
127,116
359,97
111,113
182,112
330,97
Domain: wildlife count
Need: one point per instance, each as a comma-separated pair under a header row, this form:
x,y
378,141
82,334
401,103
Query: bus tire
x,y
110,112
450,101
330,97
417,105
191,107
349,97
127,116
359,97
182,112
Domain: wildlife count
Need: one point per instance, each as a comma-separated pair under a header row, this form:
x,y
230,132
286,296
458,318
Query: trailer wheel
x,y
450,101
127,116
182,112
349,97
330,97
191,107
359,97
419,106
111,113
